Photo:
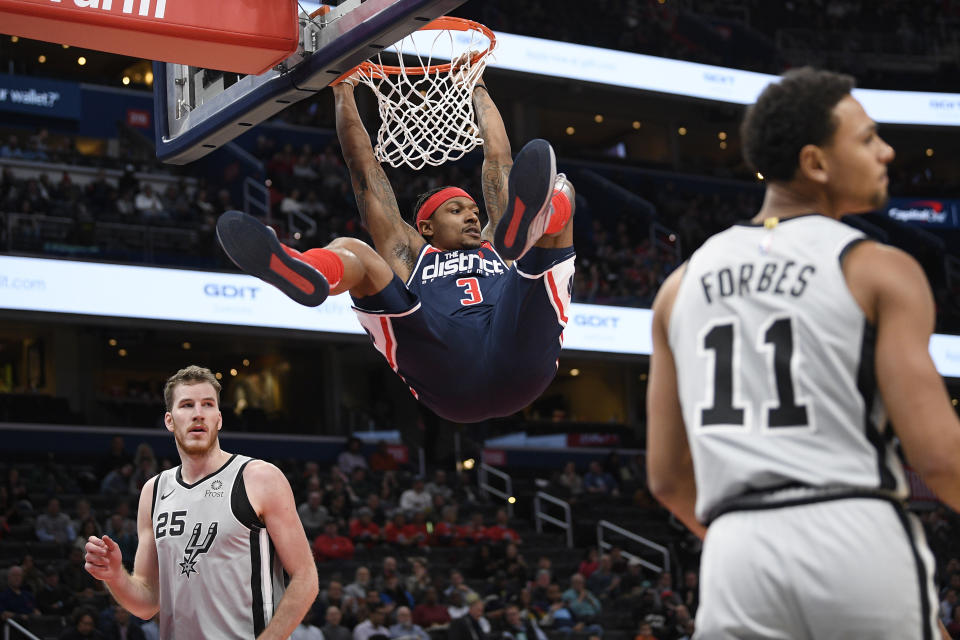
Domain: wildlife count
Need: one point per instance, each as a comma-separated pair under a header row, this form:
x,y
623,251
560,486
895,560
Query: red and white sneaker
x,y
529,192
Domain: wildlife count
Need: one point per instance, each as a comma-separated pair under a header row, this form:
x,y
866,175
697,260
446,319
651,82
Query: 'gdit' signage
x,y
75,287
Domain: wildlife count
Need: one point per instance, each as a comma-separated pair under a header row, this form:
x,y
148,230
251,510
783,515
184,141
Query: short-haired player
x,y
779,350
215,535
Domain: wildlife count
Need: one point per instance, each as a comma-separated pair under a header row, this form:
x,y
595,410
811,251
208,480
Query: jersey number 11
x,y
777,338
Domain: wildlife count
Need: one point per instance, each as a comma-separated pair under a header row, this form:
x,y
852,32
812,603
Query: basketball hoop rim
x,y
443,23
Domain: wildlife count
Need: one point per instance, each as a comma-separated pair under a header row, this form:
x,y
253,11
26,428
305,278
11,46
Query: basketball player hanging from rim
x,y
473,335
778,350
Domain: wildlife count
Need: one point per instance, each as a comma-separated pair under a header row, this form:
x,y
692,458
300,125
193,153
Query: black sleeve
x,y
240,503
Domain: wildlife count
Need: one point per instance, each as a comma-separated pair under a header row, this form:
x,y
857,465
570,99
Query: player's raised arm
x,y
270,496
138,593
896,297
669,463
497,159
396,241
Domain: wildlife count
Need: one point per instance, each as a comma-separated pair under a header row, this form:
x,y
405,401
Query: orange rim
x,y
443,23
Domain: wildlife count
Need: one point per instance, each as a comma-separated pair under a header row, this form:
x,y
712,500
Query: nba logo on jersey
x,y
194,548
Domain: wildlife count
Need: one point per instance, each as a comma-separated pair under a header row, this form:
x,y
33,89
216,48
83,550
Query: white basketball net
x,y
427,118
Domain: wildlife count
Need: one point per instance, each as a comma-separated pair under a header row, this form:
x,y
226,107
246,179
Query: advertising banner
x,y
39,97
245,37
181,295
938,213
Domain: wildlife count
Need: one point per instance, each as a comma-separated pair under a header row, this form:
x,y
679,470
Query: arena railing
x,y
256,199
541,516
17,627
52,229
604,545
506,494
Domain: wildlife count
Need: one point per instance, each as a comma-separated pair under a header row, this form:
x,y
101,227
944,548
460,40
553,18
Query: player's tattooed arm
x,y
494,177
406,255
497,160
376,201
396,241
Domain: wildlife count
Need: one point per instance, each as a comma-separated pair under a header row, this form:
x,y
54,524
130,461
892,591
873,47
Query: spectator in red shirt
x,y
381,460
500,531
445,533
417,530
430,613
473,532
329,545
363,530
396,531
590,563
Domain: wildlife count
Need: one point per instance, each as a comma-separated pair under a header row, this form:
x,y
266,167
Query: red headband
x,y
437,199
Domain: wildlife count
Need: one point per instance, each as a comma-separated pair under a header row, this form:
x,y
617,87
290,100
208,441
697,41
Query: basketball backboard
x,y
198,110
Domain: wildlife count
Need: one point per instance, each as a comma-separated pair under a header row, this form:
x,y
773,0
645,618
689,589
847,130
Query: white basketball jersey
x,y
219,574
775,365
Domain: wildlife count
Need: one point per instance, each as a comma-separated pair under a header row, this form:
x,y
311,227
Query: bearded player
x,y
215,535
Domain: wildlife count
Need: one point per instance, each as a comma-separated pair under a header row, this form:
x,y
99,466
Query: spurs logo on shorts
x,y
194,548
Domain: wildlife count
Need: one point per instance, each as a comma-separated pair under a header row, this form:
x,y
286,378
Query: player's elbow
x,y
662,485
359,159
308,579
941,473
935,456
945,483
313,582
144,611
672,484
498,153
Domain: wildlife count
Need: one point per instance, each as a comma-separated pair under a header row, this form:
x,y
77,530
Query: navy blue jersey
x,y
460,282
472,337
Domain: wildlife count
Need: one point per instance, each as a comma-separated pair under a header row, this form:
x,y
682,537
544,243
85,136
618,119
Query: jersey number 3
x,y
472,289
777,339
